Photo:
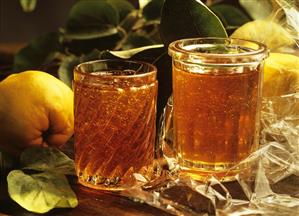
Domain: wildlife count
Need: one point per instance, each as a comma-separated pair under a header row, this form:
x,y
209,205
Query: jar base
x,y
224,172
102,187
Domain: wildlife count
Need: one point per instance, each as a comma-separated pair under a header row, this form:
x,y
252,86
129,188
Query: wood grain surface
x,y
91,203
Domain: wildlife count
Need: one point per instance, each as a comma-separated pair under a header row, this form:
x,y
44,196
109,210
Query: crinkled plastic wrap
x,y
291,12
267,185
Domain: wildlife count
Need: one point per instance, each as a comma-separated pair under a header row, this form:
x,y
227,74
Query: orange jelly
x,y
216,103
114,127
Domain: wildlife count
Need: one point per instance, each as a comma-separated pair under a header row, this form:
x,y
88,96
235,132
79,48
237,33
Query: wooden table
x,y
91,203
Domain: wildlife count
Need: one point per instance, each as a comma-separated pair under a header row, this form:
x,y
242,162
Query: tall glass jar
x,y
216,103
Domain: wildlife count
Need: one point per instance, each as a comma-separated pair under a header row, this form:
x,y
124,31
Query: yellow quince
x,y
36,109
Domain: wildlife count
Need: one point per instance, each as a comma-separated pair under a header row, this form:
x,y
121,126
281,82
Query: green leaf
x,y
86,34
153,9
97,17
65,70
136,40
123,7
84,21
130,21
28,5
188,18
38,52
40,192
141,51
257,9
47,159
231,16
84,46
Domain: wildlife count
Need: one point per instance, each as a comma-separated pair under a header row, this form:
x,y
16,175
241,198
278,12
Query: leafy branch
x,y
97,29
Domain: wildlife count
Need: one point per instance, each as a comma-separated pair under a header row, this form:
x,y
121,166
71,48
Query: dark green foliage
x,y
231,16
153,9
38,52
188,18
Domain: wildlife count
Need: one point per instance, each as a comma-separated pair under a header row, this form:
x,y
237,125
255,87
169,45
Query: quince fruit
x,y
36,109
270,33
281,75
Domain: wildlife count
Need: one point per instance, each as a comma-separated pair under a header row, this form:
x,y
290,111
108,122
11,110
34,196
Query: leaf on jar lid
x,y
40,192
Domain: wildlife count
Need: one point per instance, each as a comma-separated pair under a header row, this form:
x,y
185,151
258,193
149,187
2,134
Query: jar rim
x,y
256,51
152,68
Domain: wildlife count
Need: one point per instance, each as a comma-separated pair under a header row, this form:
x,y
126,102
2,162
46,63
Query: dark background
x,y
18,26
